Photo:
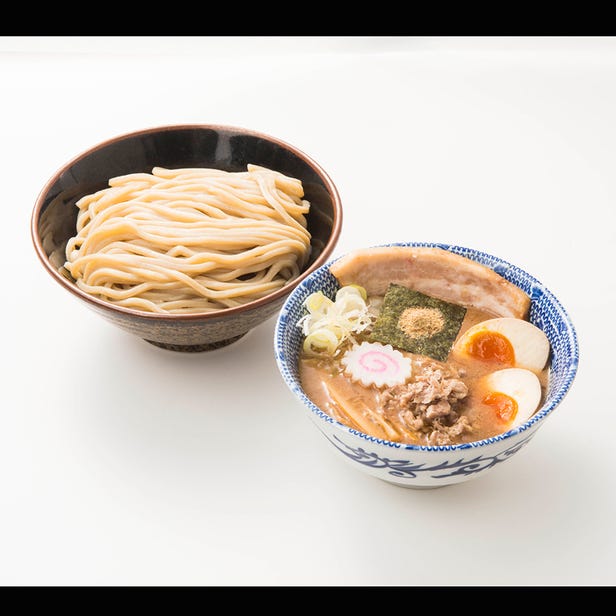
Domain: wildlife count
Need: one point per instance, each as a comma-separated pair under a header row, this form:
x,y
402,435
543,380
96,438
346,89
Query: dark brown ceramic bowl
x,y
194,145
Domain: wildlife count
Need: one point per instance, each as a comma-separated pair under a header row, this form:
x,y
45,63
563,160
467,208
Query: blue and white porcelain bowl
x,y
415,466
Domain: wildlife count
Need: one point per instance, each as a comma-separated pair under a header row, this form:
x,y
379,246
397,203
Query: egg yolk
x,y
505,407
492,347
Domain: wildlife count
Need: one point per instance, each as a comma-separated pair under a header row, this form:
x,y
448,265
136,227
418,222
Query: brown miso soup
x,y
408,356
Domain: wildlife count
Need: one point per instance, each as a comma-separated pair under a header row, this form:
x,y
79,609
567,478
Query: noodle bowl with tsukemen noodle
x,y
190,240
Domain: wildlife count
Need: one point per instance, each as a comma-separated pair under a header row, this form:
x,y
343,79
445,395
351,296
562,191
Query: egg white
x,y
518,383
530,344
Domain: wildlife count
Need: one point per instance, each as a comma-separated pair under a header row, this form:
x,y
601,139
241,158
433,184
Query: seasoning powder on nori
x,y
418,323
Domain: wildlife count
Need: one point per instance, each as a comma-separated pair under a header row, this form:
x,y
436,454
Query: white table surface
x,y
125,464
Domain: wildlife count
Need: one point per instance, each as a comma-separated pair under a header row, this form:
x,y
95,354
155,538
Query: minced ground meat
x,y
429,403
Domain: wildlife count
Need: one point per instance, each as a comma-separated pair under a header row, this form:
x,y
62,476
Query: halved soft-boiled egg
x,y
505,341
513,394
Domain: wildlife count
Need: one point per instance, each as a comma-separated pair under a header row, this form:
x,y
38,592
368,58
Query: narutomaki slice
x,y
433,271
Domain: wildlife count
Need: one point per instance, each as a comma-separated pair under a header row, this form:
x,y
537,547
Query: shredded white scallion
x,y
329,323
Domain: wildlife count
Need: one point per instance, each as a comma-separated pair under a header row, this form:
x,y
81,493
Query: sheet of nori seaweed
x,y
397,299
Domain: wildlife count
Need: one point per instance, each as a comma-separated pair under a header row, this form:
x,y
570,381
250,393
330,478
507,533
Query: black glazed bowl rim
x,y
280,294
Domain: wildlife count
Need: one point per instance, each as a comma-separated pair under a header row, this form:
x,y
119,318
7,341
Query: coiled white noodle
x,y
190,240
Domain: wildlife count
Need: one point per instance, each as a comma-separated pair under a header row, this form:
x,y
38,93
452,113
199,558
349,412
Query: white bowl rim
x,y
537,417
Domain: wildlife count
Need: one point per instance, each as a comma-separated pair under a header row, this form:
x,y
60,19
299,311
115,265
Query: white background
x,y
125,464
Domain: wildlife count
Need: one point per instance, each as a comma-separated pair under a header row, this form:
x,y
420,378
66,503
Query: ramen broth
x,y
423,347
320,376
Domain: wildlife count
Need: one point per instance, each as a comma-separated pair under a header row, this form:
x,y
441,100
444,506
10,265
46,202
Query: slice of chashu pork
x,y
435,272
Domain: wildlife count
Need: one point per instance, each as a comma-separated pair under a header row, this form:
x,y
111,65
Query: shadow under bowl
x,y
220,147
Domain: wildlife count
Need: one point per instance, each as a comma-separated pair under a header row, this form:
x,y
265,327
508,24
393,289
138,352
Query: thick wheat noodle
x,y
226,205
190,240
98,271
